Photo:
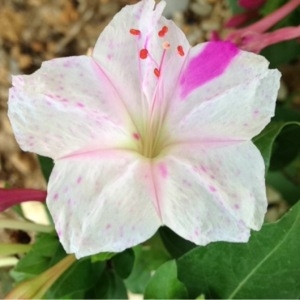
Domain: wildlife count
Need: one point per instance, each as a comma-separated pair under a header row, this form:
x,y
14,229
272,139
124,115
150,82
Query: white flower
x,y
149,131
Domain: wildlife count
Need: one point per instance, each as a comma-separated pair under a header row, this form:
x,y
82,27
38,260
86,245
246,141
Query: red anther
x,y
156,72
180,50
134,31
143,53
163,31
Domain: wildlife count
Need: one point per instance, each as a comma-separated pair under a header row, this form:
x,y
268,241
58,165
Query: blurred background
x,y
32,31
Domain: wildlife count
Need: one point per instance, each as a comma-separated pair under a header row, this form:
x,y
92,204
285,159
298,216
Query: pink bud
x,y
251,4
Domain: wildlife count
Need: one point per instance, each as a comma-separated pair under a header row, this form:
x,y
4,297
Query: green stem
x,y
8,262
54,273
10,249
37,287
26,226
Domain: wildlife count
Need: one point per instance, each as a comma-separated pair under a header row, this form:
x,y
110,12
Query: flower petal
x,y
145,64
212,194
67,105
231,98
107,209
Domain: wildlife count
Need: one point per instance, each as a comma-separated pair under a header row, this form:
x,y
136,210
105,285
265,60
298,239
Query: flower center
x,y
152,137
151,140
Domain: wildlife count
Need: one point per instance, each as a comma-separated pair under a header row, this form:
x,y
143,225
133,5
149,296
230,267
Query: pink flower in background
x,y
255,37
146,132
251,12
11,197
251,4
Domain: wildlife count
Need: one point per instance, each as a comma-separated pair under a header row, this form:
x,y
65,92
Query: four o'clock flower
x,y
251,4
146,132
251,12
255,37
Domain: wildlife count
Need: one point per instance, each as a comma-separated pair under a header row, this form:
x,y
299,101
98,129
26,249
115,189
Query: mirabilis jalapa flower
x,y
255,37
146,132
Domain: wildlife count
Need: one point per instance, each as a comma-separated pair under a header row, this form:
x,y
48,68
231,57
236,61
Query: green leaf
x,y
102,256
285,136
165,284
289,191
41,256
123,263
75,281
287,147
7,283
286,112
234,6
141,272
176,245
267,267
281,53
147,259
271,6
110,286
47,165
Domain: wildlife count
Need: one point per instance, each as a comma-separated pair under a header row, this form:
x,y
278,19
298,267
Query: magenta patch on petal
x,y
210,63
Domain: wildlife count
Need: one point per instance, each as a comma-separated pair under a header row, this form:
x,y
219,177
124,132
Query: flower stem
x,y
8,262
269,21
9,249
37,287
23,225
56,272
277,36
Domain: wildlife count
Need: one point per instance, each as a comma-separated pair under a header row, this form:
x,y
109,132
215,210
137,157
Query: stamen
x,y
180,50
135,31
163,31
143,53
156,72
166,45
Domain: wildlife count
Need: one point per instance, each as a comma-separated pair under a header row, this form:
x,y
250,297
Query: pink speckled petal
x,y
102,202
118,53
67,105
234,101
212,194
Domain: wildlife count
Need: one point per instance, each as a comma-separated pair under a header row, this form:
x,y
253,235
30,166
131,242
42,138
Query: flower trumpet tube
x,y
251,12
149,131
11,197
36,288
